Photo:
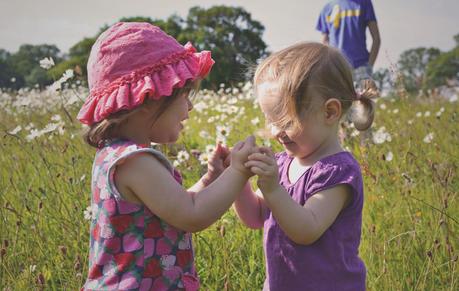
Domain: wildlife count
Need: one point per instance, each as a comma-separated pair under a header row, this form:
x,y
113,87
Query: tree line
x,y
236,42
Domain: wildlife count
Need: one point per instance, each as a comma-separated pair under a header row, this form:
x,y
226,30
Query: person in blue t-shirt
x,y
343,24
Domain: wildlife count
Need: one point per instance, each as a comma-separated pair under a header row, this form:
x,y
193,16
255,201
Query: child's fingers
x,y
225,150
258,171
238,146
262,157
250,141
267,151
258,164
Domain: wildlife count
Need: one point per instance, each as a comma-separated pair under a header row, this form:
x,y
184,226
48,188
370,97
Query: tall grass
x,y
410,235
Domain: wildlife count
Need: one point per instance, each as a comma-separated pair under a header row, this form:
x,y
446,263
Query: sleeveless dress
x,y
332,262
130,247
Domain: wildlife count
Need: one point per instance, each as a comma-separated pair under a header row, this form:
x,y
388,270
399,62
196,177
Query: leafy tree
x,y
172,25
412,65
79,53
25,63
443,68
382,78
234,38
77,59
6,72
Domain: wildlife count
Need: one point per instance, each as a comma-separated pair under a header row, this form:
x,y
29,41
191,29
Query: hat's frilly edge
x,y
153,82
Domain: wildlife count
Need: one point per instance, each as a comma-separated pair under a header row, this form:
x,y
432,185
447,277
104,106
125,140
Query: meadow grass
x,y
410,234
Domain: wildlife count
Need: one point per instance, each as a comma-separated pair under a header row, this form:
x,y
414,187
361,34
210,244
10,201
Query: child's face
x,y
301,144
167,128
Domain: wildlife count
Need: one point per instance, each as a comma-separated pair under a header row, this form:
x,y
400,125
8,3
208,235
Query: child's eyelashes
x,y
276,128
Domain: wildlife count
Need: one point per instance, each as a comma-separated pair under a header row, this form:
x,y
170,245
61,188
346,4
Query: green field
x,y
410,235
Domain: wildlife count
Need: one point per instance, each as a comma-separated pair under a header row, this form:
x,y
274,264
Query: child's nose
x,y
190,105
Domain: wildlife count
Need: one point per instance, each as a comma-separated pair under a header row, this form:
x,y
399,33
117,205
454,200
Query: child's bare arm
x,y
302,224
152,184
250,207
215,167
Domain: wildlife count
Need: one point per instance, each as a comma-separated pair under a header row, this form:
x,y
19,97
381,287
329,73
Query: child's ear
x,y
333,110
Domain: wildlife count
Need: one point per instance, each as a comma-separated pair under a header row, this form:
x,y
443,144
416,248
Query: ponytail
x,y
363,108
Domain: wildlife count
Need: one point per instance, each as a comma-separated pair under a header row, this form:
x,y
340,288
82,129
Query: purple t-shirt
x,y
332,262
345,21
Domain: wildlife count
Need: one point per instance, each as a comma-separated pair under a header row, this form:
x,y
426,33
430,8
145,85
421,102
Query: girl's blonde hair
x,y
308,65
97,134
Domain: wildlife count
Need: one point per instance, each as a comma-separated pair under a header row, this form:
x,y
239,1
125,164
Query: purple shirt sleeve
x,y
331,174
322,22
369,12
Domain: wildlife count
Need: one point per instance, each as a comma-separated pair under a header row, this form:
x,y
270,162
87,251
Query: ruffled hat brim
x,y
152,82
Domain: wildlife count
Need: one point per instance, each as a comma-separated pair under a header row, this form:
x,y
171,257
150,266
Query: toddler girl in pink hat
x,y
140,80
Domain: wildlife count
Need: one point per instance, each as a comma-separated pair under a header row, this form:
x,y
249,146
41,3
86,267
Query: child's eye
x,y
276,128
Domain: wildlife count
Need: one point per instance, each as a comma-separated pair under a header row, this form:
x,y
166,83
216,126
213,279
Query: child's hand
x,y
264,165
239,155
216,163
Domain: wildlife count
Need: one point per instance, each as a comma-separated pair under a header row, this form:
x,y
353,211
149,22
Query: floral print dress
x,y
130,247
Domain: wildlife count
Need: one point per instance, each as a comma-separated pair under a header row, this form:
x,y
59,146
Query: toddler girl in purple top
x,y
310,196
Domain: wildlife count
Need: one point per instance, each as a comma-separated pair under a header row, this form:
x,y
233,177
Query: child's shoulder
x,y
342,162
120,151
339,168
342,159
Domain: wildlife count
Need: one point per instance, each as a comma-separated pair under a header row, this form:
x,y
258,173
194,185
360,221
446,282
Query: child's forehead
x,y
269,87
268,93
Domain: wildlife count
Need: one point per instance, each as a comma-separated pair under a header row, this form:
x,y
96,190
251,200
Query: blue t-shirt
x,y
345,21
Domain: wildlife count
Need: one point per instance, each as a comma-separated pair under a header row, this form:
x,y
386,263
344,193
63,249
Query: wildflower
x,y
56,117
47,63
34,133
200,107
15,130
267,143
427,114
204,134
428,138
90,212
204,158
389,156
210,148
183,155
223,131
395,111
68,74
381,136
32,268
50,127
383,106
255,121
440,112
410,122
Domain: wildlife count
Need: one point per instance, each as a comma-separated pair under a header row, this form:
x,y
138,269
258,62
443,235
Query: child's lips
x,y
284,142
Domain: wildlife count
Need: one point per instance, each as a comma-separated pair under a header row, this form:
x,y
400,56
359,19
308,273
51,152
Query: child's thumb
x,y
218,148
250,141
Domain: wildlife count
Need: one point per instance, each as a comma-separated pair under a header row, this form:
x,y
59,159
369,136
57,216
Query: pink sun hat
x,y
132,61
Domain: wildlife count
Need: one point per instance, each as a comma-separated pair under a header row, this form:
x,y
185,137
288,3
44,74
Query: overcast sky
x,y
403,24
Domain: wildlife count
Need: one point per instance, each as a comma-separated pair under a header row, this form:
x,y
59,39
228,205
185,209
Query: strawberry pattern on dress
x,y
130,247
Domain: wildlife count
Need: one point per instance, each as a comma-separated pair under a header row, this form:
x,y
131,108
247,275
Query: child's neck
x,y
328,147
